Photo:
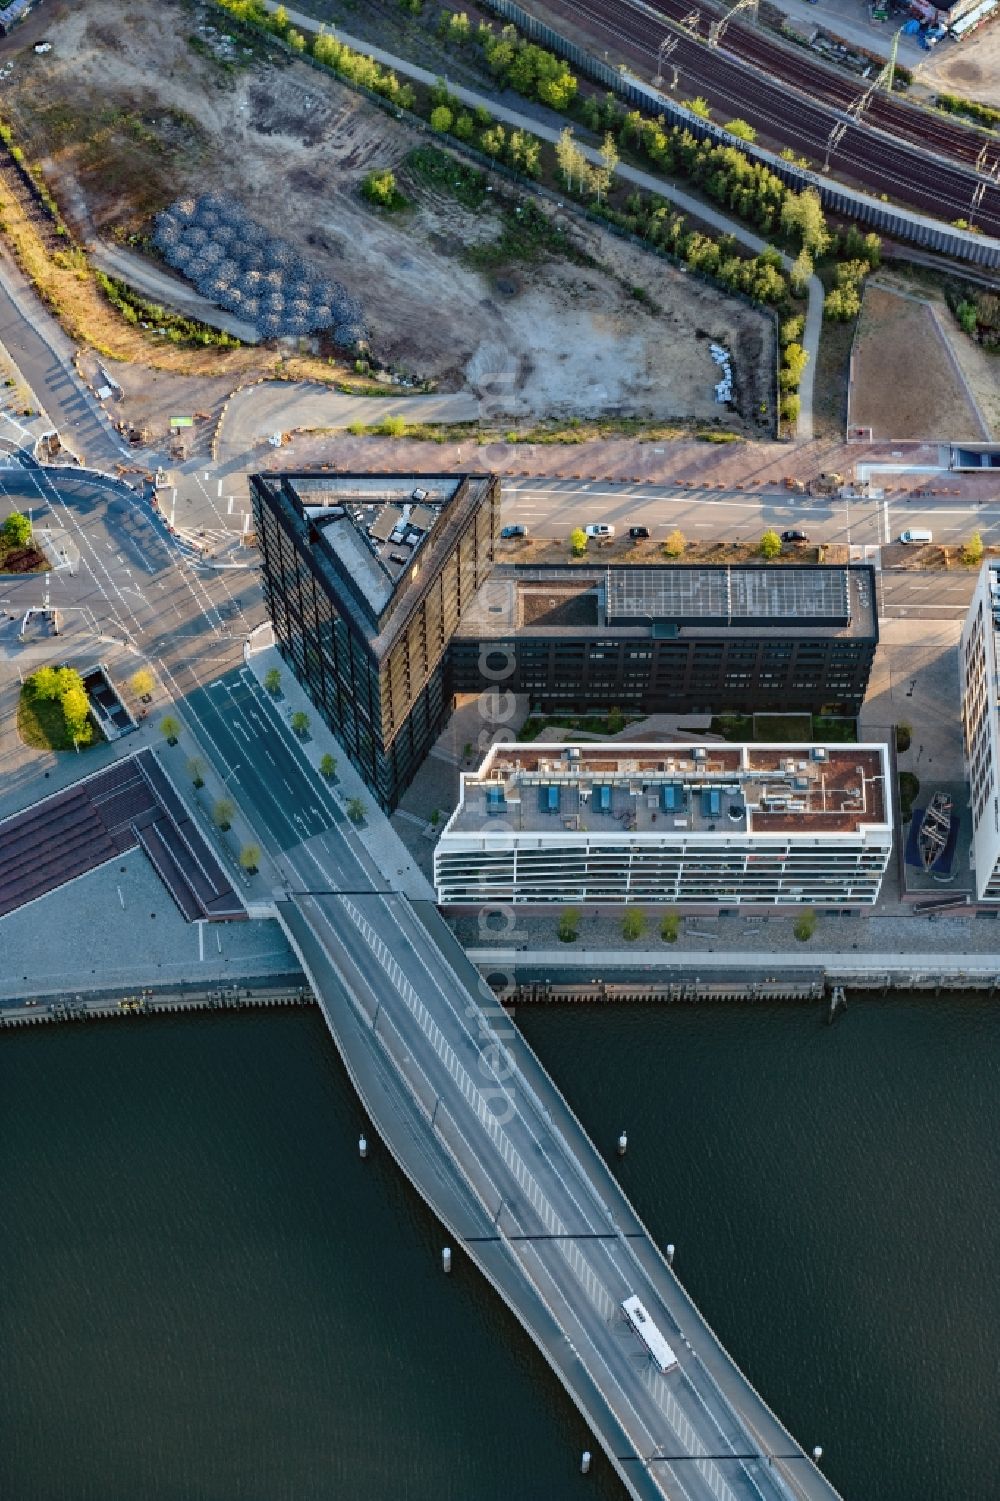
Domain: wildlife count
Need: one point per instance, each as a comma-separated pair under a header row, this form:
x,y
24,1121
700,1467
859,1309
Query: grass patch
x,y
909,791
441,172
42,725
785,729
732,726
580,430
529,236
135,308
833,364
835,727
592,724
421,432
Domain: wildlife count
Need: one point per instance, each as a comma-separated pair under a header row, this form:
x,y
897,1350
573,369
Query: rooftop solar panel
x,y
699,595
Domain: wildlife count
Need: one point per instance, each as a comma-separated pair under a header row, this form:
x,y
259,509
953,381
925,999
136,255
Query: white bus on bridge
x,y
651,1337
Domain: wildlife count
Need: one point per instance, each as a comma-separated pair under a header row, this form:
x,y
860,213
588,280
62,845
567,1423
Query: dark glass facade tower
x,y
366,579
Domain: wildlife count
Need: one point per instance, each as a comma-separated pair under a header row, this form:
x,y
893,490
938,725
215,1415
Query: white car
x,y
599,529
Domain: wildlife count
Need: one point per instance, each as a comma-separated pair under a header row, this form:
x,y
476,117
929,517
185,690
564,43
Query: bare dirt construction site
x,y
970,68
912,377
127,112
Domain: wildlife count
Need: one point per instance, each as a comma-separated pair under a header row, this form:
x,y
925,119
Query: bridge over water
x,y
485,1137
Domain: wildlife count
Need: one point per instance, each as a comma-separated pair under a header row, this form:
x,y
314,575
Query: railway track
x,y
905,121
783,111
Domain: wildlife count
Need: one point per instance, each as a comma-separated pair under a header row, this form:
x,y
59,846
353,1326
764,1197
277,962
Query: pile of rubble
x,y
724,387
236,263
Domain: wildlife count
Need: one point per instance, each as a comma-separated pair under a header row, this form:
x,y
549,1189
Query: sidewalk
x,y
644,180
46,362
257,892
376,833
924,965
871,942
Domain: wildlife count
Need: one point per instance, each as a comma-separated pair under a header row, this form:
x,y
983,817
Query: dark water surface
x,y
207,1296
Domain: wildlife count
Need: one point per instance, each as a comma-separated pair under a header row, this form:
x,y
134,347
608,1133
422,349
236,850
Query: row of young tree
x,y
514,62
356,67
745,187
658,222
477,127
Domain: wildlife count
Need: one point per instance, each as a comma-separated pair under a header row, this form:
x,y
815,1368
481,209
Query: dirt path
x,y
169,290
253,415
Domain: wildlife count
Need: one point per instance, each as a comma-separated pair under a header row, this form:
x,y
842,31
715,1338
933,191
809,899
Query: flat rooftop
x,y
672,789
377,536
375,528
642,601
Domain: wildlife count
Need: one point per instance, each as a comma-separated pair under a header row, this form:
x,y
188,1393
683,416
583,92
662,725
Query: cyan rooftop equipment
x,y
670,797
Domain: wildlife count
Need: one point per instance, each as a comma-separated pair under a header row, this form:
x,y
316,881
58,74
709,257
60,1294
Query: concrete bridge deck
x,y
485,1137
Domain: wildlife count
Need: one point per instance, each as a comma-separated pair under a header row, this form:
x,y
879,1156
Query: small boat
x,y
935,826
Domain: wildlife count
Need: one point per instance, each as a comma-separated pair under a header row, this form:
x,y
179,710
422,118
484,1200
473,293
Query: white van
x,y
916,534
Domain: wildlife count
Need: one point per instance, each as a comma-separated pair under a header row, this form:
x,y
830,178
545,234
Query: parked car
x,y
599,529
916,535
794,536
507,532
638,532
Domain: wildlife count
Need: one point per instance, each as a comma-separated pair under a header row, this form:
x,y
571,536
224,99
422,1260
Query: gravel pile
x,y
236,263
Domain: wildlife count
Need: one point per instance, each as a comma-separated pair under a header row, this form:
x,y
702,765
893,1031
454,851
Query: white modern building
x,y
713,825
981,728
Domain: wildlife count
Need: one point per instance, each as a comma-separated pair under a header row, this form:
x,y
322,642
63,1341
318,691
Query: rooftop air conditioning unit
x,y
819,753
700,753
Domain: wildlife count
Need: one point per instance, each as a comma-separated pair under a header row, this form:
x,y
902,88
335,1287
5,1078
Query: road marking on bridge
x,y
580,1266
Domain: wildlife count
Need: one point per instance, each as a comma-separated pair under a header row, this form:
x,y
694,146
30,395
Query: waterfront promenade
x,y
905,971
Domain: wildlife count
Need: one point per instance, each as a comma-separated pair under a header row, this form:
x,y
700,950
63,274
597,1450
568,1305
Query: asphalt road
x,y
552,508
489,1146
43,354
128,580
878,160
